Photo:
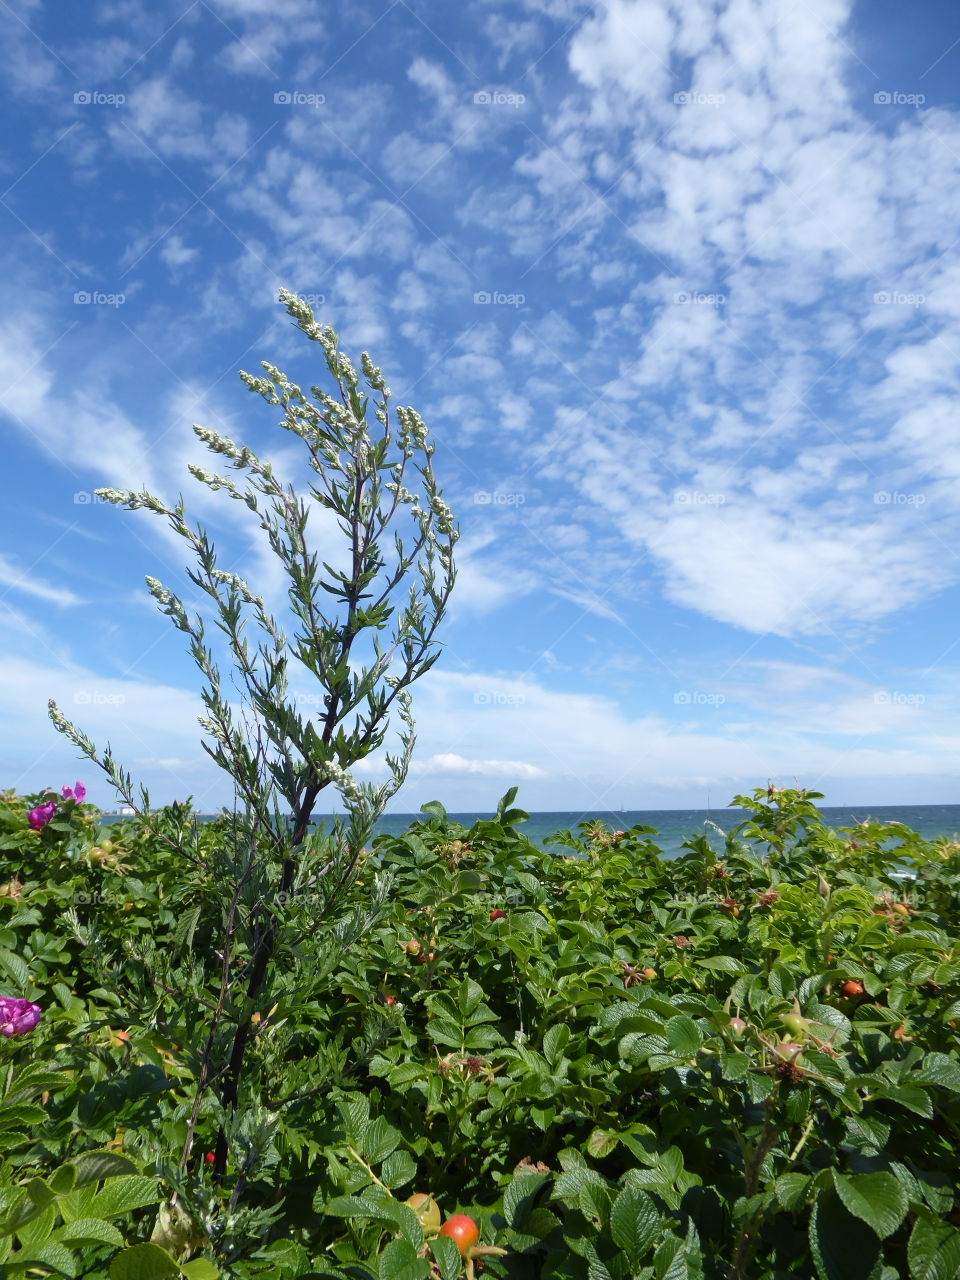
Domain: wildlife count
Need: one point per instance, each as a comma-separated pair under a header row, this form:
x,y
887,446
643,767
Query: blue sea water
x,y
673,826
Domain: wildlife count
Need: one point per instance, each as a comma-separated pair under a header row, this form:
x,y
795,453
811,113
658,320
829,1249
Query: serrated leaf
x,y
937,1068
878,1199
554,1043
21,1115
92,1166
843,1247
933,1250
634,1224
379,1139
143,1262
520,1196
398,1168
684,1037
200,1269
601,1142
81,1229
447,1257
16,967
119,1195
398,1261
791,1189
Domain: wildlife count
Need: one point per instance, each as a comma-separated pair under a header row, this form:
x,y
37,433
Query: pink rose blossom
x,y
41,815
17,1017
78,793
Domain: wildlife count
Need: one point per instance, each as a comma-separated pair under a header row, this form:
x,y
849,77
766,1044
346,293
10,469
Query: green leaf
x,y
790,1189
843,1247
913,1097
21,1115
379,1140
92,1166
200,1269
81,1229
634,1224
601,1142
143,1262
937,1068
121,1194
520,1197
399,1261
16,967
878,1199
554,1043
62,1180
447,1257
398,1168
51,1255
683,1036
381,1208
934,1250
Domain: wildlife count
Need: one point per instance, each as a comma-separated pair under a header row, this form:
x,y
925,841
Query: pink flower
x,y
78,793
41,815
17,1017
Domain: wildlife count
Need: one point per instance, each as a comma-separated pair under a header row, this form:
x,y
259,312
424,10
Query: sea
x,y
672,826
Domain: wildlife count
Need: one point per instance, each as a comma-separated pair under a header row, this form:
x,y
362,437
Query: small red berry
x,y
498,915
210,1157
852,988
389,999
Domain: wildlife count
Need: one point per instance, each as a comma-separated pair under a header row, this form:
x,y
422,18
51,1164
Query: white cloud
x,y
27,582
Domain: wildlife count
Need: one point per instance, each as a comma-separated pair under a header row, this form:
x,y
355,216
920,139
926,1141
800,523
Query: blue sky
x,y
675,284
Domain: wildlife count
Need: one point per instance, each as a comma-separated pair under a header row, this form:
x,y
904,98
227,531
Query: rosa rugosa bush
x,y
619,1077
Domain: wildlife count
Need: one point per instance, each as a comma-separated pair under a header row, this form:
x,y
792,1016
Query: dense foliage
x,y
739,1062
